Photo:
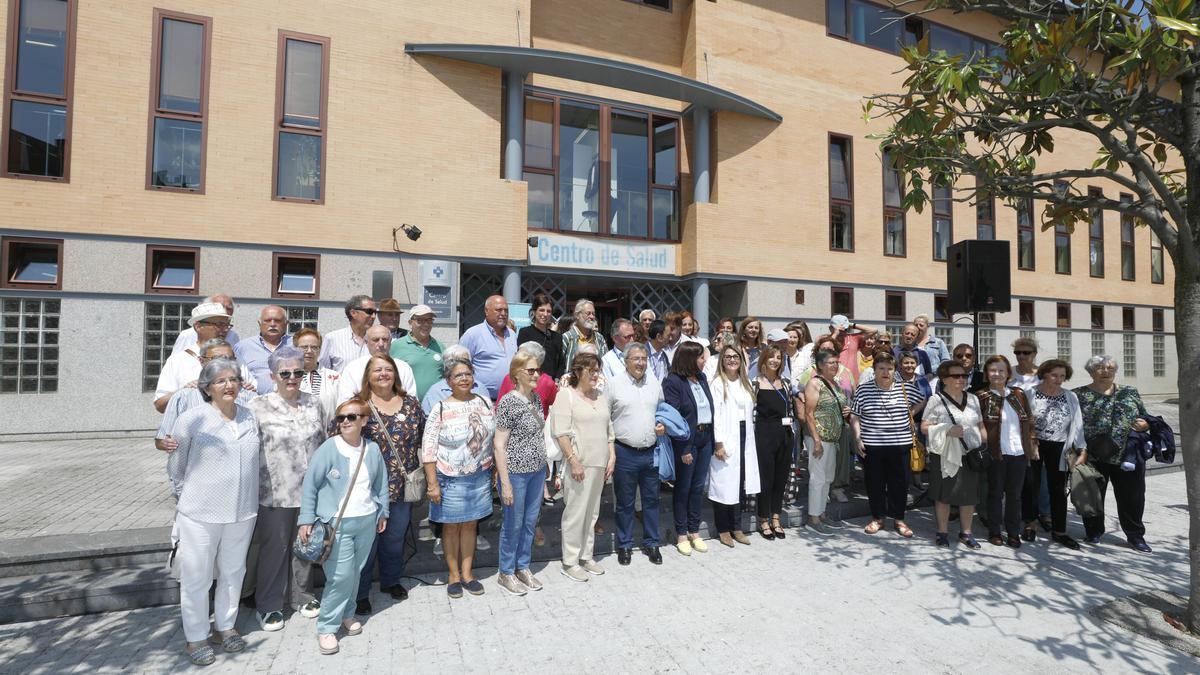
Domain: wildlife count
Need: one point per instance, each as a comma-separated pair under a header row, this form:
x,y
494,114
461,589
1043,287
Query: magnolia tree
x,y
1121,75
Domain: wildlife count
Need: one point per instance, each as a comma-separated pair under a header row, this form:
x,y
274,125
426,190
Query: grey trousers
x,y
279,576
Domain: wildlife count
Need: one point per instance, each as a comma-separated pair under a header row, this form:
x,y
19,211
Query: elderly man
x,y
187,338
253,352
491,344
633,398
343,345
646,317
318,381
419,350
181,370
660,362
389,315
379,340
441,390
613,361
189,397
908,345
583,332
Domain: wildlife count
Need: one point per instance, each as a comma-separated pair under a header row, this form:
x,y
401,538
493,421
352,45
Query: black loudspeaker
x,y
977,277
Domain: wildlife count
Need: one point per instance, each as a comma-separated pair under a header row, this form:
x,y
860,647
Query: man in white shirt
x,y
182,369
613,361
379,340
646,317
343,345
187,337
633,398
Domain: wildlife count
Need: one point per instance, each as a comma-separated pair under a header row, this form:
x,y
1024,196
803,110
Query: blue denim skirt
x,y
464,498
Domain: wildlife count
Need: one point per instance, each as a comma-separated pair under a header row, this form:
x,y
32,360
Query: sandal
x,y
777,528
873,526
202,655
902,529
764,530
231,642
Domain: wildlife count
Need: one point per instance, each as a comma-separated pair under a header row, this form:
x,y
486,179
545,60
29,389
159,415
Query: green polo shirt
x,y
426,362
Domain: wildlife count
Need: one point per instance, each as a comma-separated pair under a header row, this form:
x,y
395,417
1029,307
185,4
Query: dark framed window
x,y
573,147
31,263
987,318
164,322
296,275
1097,317
895,231
35,139
1025,313
841,193
1128,320
940,313
893,306
841,300
1156,259
985,213
1063,314
1157,323
178,135
301,117
1025,235
1062,249
657,4
173,270
873,25
943,220
1128,227
1096,236
29,329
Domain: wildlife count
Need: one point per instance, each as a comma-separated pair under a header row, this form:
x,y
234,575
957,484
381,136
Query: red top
x,y
546,390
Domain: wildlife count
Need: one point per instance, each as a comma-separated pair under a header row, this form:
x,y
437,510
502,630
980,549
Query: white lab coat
x,y
723,475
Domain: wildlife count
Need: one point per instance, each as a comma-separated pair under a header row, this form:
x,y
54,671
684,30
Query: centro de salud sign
x,y
586,253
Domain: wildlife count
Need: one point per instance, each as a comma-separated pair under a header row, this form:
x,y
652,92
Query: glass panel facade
x,y
666,214
875,26
893,234
299,174
181,69
541,201
629,174
37,139
29,345
665,153
177,153
42,47
1063,344
1159,348
1062,250
302,84
579,167
539,133
164,322
301,317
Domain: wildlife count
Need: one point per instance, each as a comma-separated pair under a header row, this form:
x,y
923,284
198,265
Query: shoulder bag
x,y
975,459
320,540
833,392
554,451
917,454
415,481
1083,486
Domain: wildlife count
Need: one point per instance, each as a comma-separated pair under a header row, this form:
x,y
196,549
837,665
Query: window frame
x,y
892,316
277,257
948,215
1157,247
280,127
155,112
848,203
1061,233
987,198
151,289
11,93
7,244
1128,319
893,210
1060,309
834,290
943,300
670,5
1021,306
1128,246
1097,311
1158,320
1026,203
1095,218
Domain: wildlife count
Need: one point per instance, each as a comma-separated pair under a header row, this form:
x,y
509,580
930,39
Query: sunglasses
x,y
290,374
350,417
964,356
1023,352
532,371
368,312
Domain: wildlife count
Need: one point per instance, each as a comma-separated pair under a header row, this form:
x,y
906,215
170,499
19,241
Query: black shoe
x,y
653,554
942,540
398,592
1029,534
1141,546
363,607
967,540
1065,541
1045,522
1093,538
624,556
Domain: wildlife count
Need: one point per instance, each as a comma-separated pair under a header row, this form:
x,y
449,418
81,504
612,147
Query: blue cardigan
x,y
677,393
328,478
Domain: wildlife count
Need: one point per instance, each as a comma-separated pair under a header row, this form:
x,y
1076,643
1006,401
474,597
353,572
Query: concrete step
x,y
83,552
75,592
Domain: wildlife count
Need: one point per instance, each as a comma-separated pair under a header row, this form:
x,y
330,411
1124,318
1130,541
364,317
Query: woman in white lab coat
x,y
733,472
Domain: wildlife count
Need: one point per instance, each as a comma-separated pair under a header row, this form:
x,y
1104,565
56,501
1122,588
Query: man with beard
x,y
583,332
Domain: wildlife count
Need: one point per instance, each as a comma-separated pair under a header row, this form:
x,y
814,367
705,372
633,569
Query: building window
x,y
36,135
1096,236
300,316
1128,322
29,349
657,4
173,270
1025,235
1063,311
634,152
945,334
31,263
1097,317
178,102
1097,343
894,231
1156,259
301,107
987,344
295,275
1127,242
164,322
943,220
841,300
841,193
1025,313
867,23
894,306
1027,333
1159,347
1129,355
1062,249
987,318
1063,344
940,313
985,213
1157,323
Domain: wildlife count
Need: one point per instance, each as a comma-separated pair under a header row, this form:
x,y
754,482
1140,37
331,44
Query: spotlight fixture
x,y
411,231
532,241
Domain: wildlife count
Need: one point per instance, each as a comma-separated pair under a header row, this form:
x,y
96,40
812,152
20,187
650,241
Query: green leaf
x,y
1179,25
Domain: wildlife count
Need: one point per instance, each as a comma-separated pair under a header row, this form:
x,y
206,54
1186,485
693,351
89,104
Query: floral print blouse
x,y
289,435
404,430
1110,415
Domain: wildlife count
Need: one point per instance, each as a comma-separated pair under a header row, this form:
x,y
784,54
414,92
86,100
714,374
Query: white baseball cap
x,y
776,335
839,321
207,310
420,310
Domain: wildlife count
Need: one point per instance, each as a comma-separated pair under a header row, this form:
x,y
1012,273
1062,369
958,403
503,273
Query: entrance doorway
x,y
611,304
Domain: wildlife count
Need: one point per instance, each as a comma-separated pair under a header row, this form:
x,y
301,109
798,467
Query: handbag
x,y
975,459
320,540
1103,448
415,482
1084,488
916,454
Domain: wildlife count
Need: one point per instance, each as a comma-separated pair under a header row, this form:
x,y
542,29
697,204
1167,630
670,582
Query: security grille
x,y
164,322
476,289
300,317
29,351
1128,355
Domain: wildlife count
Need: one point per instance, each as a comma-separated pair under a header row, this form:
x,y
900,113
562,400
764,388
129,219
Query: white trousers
x,y
821,471
201,547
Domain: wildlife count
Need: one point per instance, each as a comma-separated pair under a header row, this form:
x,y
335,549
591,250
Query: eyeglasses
x,y
290,374
638,359
532,371
1024,352
227,381
218,324
309,348
367,311
955,376
732,357
350,417
460,376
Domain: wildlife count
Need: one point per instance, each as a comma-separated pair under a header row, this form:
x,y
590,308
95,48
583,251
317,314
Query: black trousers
x,y
725,517
774,444
885,471
1129,488
1006,479
1051,454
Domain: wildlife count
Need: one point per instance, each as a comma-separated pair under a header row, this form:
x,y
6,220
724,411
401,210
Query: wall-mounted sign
x,y
609,255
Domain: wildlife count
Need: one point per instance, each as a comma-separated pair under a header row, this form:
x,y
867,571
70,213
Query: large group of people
x,y
277,438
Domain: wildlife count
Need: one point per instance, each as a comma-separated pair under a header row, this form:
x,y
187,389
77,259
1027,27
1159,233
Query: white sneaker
x,y
271,621
481,544
310,609
437,547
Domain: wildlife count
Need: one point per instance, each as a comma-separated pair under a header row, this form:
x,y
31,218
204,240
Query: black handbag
x,y
977,459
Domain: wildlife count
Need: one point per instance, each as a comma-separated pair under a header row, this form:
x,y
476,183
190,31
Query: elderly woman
x,y
954,424
686,390
1025,372
521,466
1009,424
346,488
214,471
581,425
190,397
546,387
396,425
881,417
826,408
750,341
290,429
457,454
1057,427
441,390
541,331
932,345
733,472
1110,412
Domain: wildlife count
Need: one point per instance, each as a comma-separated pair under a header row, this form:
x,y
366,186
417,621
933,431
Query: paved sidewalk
x,y
845,603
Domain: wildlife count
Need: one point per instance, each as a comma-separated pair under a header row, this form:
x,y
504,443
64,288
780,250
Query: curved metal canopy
x,y
607,72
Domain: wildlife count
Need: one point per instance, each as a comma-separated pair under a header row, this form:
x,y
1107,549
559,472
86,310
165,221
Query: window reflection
x,y
37,139
579,167
177,152
629,174
181,67
299,174
42,47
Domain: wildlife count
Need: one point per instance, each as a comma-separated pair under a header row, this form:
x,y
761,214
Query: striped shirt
x,y
340,347
883,414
